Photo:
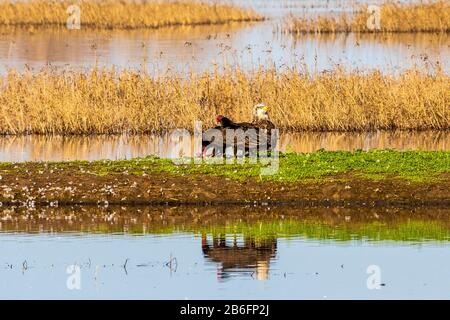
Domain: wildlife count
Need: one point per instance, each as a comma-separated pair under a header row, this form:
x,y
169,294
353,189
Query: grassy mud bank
x,y
375,178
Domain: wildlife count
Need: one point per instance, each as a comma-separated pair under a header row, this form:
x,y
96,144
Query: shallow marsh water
x,y
211,253
63,148
205,48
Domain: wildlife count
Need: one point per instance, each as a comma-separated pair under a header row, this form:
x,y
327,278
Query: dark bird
x,y
247,137
214,138
260,118
263,127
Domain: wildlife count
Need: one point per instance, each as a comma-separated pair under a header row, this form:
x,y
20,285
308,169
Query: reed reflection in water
x,y
96,147
212,252
178,50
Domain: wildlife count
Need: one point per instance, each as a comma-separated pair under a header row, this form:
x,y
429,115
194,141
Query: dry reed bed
x,y
121,14
394,17
108,101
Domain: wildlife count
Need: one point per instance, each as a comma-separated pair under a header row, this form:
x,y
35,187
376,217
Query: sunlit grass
x,y
431,16
121,14
110,101
412,165
418,166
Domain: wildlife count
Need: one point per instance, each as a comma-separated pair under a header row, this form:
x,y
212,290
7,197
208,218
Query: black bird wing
x,y
246,136
210,135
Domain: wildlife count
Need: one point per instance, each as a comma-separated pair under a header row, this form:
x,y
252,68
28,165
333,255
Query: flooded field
x,y
376,235
281,253
203,48
63,148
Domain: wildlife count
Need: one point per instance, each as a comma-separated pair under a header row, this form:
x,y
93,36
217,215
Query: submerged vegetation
x,y
110,101
113,14
394,17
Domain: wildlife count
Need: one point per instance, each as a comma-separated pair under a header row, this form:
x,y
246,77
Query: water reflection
x,y
207,48
240,256
237,252
203,48
61,148
236,226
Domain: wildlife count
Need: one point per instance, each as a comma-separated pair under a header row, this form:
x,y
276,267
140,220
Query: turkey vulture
x,y
215,137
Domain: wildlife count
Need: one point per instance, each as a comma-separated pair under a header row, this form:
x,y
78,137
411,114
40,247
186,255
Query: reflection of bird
x,y
249,137
240,258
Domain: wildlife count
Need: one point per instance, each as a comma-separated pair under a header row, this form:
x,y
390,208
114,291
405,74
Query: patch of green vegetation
x,y
4,166
410,230
416,166
376,231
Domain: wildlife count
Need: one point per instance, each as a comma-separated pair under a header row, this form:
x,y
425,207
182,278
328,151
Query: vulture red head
x,y
219,118
224,121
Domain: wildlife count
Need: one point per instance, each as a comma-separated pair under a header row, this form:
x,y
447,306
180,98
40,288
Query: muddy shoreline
x,y
32,188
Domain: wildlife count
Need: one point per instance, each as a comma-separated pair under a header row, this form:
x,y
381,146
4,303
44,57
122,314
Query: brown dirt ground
x,y
71,187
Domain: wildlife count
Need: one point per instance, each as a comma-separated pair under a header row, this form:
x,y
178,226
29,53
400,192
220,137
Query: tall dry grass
x,y
394,17
108,101
121,14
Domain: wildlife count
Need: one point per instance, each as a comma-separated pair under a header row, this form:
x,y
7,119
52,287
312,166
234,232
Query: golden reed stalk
x,y
394,17
121,14
108,101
